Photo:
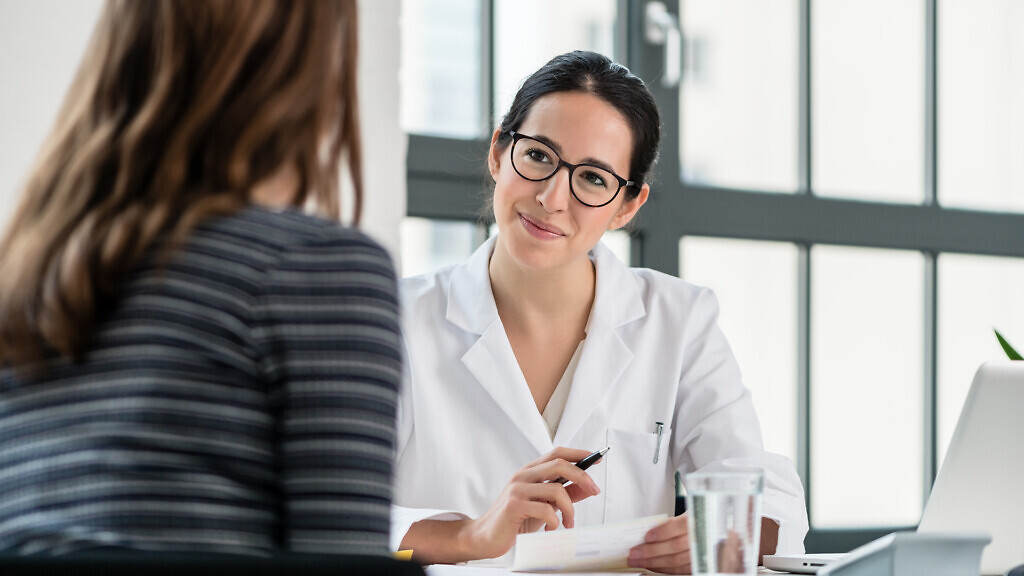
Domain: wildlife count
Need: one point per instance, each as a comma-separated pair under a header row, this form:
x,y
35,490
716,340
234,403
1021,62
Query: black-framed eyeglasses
x,y
591,185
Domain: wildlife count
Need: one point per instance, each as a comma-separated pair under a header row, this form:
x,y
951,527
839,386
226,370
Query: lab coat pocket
x,y
636,485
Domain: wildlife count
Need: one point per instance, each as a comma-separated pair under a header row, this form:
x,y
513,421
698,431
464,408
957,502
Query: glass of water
x,y
724,518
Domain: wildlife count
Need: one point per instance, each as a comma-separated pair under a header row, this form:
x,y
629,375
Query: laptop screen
x,y
980,486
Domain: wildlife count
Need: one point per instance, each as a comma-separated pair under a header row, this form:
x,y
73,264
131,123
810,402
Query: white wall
x,y
384,142
42,41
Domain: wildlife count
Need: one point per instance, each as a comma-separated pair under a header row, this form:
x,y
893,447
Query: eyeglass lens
x,y
535,160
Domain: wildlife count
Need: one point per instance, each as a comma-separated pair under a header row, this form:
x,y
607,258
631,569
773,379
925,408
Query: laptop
x,y
980,486
800,563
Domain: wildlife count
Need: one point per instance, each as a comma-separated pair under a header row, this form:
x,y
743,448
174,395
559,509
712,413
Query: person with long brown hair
x,y
189,359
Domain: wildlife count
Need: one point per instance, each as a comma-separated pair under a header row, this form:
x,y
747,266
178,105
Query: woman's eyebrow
x,y
558,150
591,161
548,141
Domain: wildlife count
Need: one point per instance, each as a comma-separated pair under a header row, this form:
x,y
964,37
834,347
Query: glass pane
x,y
440,74
976,294
756,285
738,95
431,244
981,104
528,33
867,99
867,328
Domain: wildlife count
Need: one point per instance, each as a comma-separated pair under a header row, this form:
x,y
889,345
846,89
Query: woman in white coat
x,y
543,347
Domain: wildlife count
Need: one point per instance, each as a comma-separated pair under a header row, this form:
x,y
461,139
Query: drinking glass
x,y
724,518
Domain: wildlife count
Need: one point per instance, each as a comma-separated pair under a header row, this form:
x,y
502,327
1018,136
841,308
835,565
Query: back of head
x,y
593,73
178,109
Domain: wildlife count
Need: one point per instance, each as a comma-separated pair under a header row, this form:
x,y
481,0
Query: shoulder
x,y
660,286
693,307
425,293
292,240
657,291
294,230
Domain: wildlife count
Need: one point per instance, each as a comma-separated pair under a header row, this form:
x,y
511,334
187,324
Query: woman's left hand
x,y
666,548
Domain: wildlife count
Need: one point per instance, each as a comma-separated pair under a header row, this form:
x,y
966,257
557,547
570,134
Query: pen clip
x,y
659,429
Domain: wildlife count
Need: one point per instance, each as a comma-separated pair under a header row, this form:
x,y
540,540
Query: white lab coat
x,y
653,353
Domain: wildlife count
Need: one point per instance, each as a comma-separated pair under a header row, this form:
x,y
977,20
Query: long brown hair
x,y
178,108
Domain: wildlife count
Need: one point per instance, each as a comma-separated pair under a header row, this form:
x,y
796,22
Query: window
x,y
846,177
441,68
867,359
738,106
867,79
981,120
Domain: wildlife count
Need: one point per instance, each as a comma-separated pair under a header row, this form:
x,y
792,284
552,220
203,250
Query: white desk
x,y
473,570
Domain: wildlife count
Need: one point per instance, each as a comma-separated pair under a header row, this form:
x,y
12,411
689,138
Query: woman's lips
x,y
538,230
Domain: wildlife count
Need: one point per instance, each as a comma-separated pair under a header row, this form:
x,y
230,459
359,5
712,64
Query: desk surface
x,y
475,570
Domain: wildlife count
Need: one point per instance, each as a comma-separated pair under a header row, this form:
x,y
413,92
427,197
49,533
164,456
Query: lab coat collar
x,y
617,301
470,300
490,359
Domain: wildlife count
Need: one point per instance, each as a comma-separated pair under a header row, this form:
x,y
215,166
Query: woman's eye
x,y
594,179
536,155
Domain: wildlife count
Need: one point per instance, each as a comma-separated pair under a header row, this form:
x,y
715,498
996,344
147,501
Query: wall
x,y
41,43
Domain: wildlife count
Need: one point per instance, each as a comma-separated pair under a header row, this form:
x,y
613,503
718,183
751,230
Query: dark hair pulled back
x,y
593,73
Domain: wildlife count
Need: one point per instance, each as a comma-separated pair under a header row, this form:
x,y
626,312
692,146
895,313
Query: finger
x,y
577,492
672,528
559,470
554,495
568,454
662,548
675,562
542,511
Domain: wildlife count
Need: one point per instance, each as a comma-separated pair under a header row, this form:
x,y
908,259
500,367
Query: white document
x,y
604,547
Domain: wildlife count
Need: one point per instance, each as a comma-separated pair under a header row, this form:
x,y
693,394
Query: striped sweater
x,y
240,398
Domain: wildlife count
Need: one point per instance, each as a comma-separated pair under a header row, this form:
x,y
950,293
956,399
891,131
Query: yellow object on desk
x,y
403,554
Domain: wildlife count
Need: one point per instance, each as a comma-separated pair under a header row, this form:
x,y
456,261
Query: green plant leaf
x,y
1013,354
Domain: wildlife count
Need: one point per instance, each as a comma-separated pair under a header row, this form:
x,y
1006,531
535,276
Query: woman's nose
x,y
555,196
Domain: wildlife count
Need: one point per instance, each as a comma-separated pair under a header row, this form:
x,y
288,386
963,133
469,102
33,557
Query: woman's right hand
x,y
531,499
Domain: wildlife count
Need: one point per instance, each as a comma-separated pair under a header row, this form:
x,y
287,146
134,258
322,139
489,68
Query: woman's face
x,y
541,225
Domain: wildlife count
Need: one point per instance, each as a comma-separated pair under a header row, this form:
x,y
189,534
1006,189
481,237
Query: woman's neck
x,y
278,190
530,299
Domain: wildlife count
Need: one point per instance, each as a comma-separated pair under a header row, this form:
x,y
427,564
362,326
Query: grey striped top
x,y
239,399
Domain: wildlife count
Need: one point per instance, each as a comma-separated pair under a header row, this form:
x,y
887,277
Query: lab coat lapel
x,y
490,358
605,356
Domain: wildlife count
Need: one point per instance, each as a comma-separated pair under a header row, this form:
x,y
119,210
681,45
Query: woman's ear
x,y
494,155
629,208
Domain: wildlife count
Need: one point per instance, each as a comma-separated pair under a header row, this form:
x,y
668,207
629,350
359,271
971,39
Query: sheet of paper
x,y
604,547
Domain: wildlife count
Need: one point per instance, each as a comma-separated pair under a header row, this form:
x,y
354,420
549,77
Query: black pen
x,y
587,462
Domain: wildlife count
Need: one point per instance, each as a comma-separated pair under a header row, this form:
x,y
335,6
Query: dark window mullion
x,y
487,51
803,463
804,95
931,182
803,396
659,231
930,380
